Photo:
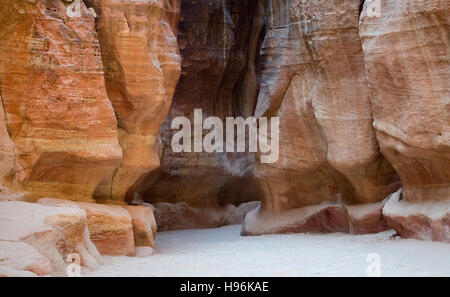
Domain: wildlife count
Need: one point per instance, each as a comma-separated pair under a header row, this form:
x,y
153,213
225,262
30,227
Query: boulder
x,y
219,42
181,215
426,220
55,232
144,225
110,226
175,216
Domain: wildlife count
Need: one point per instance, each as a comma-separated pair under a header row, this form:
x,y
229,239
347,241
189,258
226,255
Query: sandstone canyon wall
x,y
407,58
314,80
350,80
142,66
57,111
84,94
62,129
87,99
219,43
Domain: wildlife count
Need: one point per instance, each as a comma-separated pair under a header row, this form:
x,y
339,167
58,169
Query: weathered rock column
x,y
314,80
142,66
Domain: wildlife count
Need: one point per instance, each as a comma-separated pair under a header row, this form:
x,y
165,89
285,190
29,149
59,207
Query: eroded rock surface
x,y
314,80
54,232
56,108
407,51
407,58
110,226
142,66
21,259
83,98
424,220
144,225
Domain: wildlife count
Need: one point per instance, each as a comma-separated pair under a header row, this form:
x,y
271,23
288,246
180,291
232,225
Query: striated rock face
x,y
219,44
56,108
407,51
314,81
142,66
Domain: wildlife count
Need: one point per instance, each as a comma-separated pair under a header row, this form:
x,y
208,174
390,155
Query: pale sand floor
x,y
223,252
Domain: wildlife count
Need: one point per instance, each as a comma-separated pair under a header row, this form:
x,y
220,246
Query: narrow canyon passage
x,y
356,94
222,252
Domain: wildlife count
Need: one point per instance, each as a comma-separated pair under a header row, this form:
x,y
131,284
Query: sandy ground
x,y
222,252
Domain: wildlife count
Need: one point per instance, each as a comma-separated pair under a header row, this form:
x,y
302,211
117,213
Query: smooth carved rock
x,y
142,67
314,80
407,57
110,226
55,232
57,111
219,43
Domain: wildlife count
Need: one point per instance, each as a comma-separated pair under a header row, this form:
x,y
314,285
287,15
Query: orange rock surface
x,y
144,225
110,226
142,66
53,92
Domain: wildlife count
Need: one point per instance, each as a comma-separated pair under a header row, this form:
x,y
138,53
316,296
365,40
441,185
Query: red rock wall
x,y
314,80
